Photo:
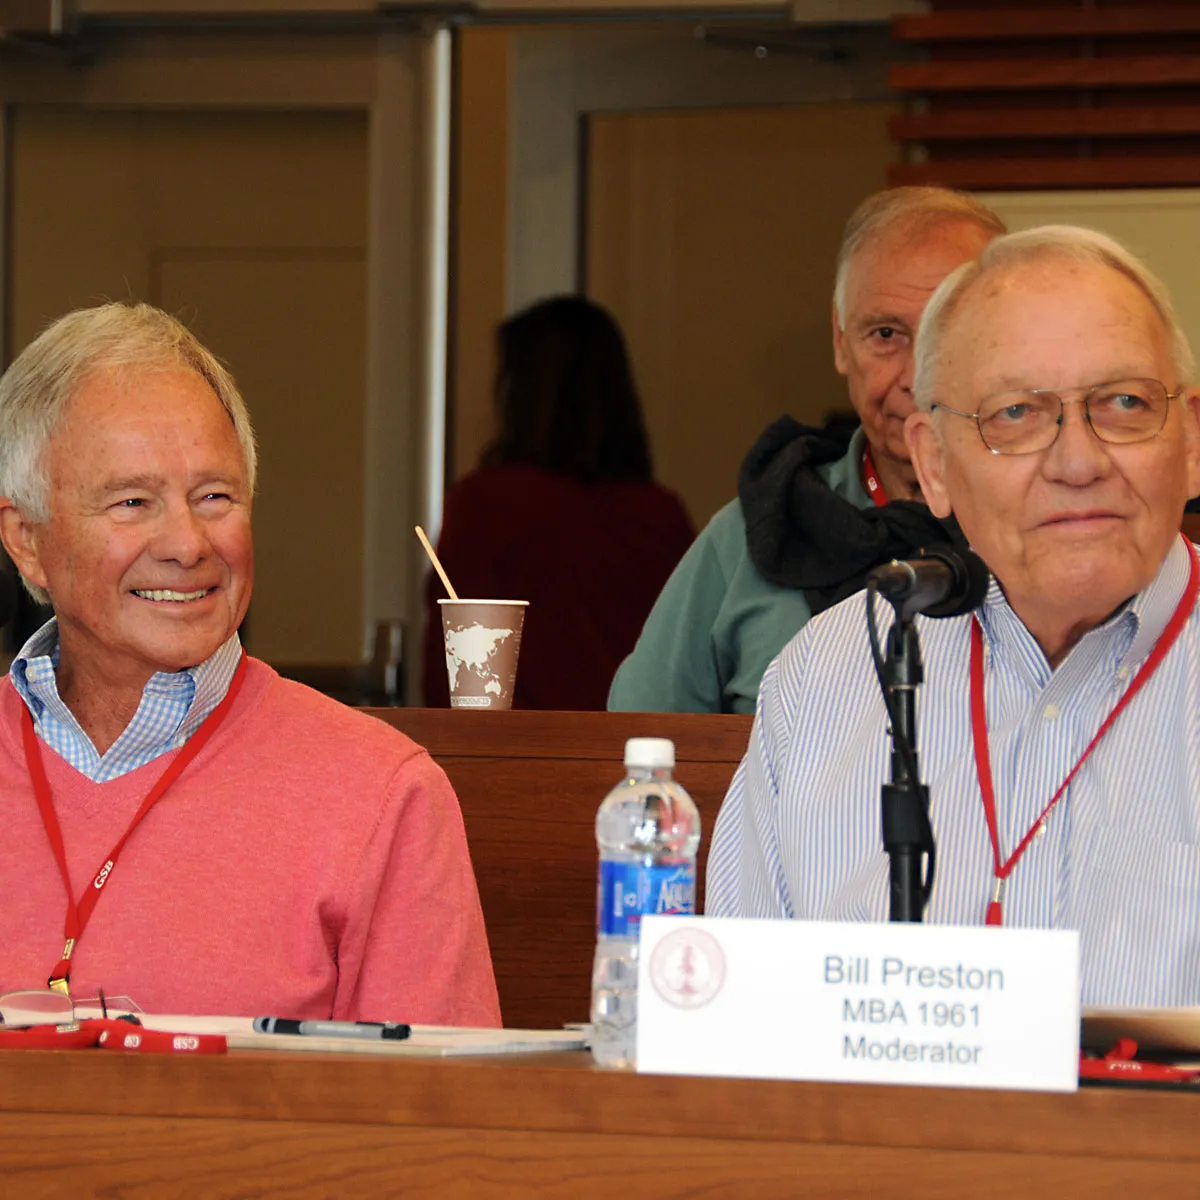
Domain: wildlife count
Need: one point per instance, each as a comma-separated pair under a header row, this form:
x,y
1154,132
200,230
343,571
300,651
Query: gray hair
x,y
1068,243
912,209
38,386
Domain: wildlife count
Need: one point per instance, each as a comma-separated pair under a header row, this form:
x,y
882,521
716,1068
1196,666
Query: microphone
x,y
939,582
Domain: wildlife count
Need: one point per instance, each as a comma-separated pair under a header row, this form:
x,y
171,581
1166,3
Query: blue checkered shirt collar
x,y
172,707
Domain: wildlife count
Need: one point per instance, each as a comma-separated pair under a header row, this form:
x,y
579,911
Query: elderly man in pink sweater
x,y
181,826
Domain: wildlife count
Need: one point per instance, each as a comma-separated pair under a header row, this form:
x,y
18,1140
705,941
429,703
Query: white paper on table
x,y
1151,1028
424,1041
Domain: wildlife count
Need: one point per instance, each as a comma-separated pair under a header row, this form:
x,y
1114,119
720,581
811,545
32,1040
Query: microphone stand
x,y
907,833
942,581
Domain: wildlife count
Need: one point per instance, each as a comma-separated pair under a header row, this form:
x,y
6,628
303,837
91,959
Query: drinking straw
x,y
437,566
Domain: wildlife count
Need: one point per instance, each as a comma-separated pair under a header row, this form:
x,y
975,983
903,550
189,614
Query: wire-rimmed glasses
x,y
24,1010
21,1010
1025,421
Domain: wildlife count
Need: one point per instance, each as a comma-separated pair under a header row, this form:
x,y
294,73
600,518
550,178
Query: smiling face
x,y
1073,531
888,284
147,553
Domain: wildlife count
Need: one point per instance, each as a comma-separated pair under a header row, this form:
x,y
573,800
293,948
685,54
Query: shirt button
x,y
1051,713
1041,830
1122,674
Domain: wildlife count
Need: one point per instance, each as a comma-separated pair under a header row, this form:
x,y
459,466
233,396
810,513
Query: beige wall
x,y
481,229
527,94
252,227
1161,226
711,236
562,75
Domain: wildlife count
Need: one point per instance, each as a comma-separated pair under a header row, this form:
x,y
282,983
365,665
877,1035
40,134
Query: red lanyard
x,y
983,762
871,479
110,1034
78,914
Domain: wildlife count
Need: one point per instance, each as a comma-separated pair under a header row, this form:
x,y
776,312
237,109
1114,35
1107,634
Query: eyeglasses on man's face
x,y
1026,421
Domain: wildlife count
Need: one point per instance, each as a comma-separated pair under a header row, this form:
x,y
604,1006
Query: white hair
x,y
1070,243
37,388
912,210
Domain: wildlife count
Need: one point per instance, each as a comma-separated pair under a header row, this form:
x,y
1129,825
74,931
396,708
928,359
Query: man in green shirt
x,y
813,514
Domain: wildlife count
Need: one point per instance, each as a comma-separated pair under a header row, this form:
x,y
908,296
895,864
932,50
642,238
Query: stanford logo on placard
x,y
687,968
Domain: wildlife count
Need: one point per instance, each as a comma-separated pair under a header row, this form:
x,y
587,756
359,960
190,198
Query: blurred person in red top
x,y
562,511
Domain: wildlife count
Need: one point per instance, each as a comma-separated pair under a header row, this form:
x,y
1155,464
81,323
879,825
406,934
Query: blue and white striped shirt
x,y
1119,857
172,708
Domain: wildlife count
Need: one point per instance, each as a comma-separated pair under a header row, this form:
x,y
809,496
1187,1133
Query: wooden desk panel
x,y
251,1124
529,784
599,737
230,1160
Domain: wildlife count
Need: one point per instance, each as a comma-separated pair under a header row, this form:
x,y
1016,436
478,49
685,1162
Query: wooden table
x,y
91,1122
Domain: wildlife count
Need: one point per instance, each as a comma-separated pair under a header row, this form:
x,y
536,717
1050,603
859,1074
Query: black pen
x,y
341,1029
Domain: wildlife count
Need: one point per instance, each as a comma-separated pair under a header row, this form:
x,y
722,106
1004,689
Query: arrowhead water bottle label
x,y
630,891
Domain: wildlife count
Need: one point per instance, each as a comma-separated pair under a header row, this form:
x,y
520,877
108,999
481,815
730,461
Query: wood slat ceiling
x,y
1058,93
994,23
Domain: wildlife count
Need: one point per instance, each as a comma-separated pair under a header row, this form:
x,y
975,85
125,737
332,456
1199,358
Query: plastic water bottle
x,y
648,832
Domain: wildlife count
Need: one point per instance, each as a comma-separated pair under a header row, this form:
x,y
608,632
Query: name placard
x,y
948,1005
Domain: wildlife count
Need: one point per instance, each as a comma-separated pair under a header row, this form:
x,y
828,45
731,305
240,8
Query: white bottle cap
x,y
650,753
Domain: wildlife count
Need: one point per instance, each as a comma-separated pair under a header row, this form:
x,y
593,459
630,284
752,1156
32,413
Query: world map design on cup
x,y
483,642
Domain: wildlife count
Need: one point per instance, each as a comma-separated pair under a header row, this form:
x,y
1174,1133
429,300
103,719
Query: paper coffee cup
x,y
483,640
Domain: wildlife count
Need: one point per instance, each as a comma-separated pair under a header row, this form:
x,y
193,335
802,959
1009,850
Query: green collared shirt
x,y
717,623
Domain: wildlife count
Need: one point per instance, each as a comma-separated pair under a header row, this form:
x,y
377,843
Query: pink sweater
x,y
311,862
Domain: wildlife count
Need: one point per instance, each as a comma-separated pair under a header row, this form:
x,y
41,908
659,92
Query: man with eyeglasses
x,y
181,826
1059,729
815,510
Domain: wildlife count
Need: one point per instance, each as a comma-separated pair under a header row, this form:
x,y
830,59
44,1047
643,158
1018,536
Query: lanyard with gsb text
x,y
983,762
79,913
871,478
